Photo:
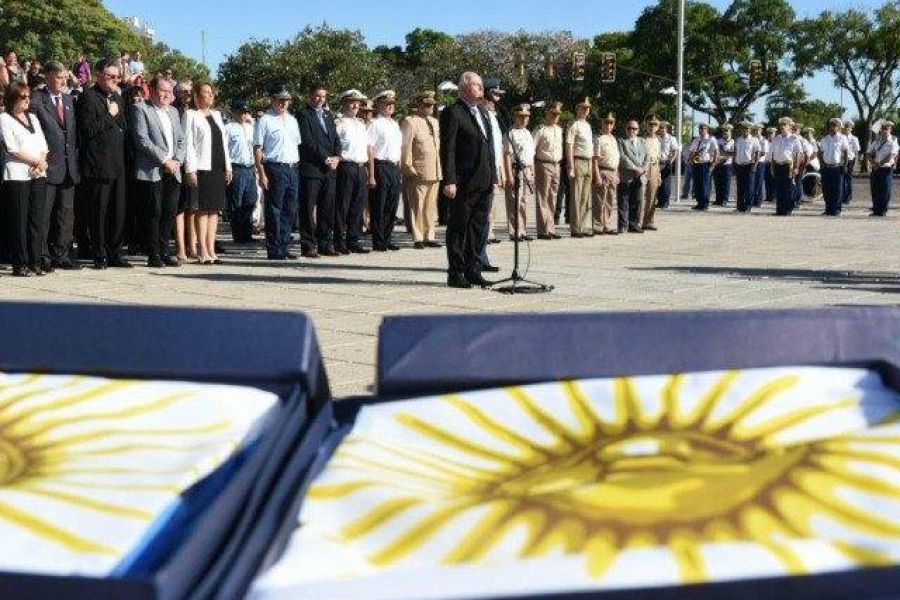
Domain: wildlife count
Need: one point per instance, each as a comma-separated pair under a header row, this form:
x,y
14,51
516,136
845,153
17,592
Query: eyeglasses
x,y
112,76
631,129
25,97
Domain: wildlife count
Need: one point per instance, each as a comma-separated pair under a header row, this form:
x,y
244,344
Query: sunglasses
x,y
631,129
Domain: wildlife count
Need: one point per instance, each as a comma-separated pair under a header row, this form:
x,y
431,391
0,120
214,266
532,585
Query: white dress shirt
x,y
833,147
763,149
668,144
744,149
168,133
784,149
354,139
198,141
279,137
18,138
497,134
853,143
386,139
884,150
240,143
726,149
581,137
519,142
705,147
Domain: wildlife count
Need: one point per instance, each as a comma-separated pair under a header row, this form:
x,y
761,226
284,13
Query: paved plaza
x,y
713,260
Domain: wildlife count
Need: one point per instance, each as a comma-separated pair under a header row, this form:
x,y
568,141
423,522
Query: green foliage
x,y
160,57
794,102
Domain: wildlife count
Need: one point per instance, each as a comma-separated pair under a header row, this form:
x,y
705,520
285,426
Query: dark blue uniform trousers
x,y
702,181
784,190
880,182
832,188
281,207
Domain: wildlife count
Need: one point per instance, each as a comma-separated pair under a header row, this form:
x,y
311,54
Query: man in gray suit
x,y
632,176
159,149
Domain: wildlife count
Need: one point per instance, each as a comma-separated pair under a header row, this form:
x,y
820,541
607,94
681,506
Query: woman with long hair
x,y
208,168
24,179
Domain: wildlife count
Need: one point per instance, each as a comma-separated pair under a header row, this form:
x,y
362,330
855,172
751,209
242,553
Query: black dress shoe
x,y
329,252
577,235
171,261
635,230
66,265
289,256
649,228
274,257
47,265
433,244
458,281
100,264
36,270
526,238
342,249
392,246
555,236
419,245
544,236
155,262
477,279
119,263
494,241
490,269
359,250
380,248
22,271
697,207
306,254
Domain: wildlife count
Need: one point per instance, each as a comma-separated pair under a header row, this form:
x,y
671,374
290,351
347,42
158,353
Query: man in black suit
x,y
320,154
102,127
470,174
56,113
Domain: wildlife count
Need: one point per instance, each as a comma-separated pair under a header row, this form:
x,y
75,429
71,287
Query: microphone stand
x,y
517,284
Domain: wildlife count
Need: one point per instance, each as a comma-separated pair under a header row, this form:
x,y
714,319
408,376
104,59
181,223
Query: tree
x,y
860,51
795,102
160,57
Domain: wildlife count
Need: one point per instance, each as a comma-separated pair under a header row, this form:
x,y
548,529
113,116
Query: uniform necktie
x,y
60,110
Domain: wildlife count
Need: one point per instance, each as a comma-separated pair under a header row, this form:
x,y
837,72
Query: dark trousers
x,y
465,230
25,210
281,207
784,190
107,216
745,176
57,220
317,212
722,175
160,203
385,200
482,257
628,198
241,197
351,192
664,192
702,182
847,189
770,184
880,182
759,182
832,188
797,189
688,173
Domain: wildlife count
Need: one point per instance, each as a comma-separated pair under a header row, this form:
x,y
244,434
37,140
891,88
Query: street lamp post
x,y
680,108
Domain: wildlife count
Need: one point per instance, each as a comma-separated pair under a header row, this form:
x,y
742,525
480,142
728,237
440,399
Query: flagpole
x,y
680,118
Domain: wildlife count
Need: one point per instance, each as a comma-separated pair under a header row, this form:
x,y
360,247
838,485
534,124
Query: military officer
x,y
548,142
833,149
653,178
746,159
606,178
785,155
670,151
579,154
704,153
385,142
351,189
421,167
852,154
724,168
883,158
518,160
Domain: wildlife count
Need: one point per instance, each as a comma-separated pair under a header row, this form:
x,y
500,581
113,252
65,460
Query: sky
x,y
228,23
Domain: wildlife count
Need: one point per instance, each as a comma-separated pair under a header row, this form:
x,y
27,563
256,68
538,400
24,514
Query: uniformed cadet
x,y
670,151
797,189
704,153
518,162
421,167
687,171
653,179
351,189
276,142
746,159
762,164
833,150
242,194
785,154
883,158
724,168
385,143
852,155
366,110
769,176
580,153
492,94
632,176
606,178
548,142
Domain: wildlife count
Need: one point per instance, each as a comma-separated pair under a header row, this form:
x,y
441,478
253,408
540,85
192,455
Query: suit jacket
x,y
150,146
316,144
62,138
420,156
467,154
101,136
634,155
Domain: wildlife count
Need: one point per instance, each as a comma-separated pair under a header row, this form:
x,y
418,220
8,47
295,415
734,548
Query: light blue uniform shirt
x,y
240,143
279,137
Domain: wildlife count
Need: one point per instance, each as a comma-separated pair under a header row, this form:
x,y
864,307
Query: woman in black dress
x,y
208,168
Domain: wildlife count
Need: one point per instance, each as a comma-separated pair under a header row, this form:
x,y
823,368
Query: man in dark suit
x,y
102,127
56,113
320,154
470,174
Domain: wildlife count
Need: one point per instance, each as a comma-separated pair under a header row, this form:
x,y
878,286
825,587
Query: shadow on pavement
x,y
293,279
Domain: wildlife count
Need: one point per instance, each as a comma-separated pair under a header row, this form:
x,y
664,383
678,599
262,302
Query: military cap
x,y
609,118
584,103
785,121
755,127
366,106
426,98
771,129
811,130
352,94
492,87
746,124
703,126
280,91
386,97
654,120
523,110
835,121
555,108
727,127
665,124
888,124
849,124
240,105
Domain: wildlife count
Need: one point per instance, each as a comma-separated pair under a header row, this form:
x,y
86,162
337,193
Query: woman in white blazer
x,y
208,168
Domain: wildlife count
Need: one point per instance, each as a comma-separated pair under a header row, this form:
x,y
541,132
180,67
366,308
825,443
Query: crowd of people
x,y
106,160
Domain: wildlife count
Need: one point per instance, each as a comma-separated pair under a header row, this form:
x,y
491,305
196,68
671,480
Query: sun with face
x,y
607,467
86,463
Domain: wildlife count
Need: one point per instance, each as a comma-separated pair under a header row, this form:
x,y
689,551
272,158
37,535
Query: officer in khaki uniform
x,y
519,145
420,163
654,179
580,152
548,142
606,177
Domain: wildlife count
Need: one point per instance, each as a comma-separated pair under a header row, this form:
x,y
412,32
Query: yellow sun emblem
x,y
86,463
613,466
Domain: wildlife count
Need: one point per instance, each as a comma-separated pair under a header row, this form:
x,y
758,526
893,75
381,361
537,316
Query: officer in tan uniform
x,y
420,163
548,141
654,155
579,153
606,177
519,146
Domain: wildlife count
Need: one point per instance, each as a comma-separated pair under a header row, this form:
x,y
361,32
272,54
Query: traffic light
x,y
578,62
520,64
772,74
756,73
550,68
608,67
